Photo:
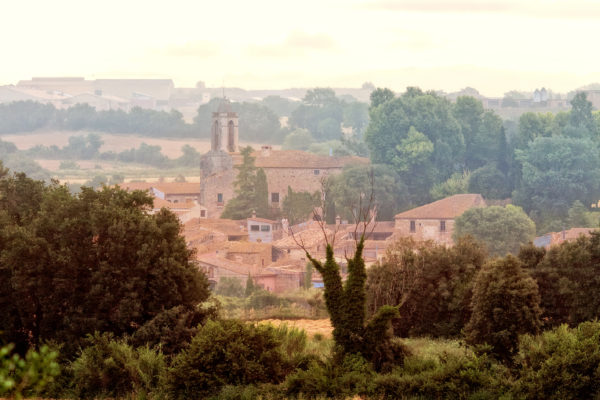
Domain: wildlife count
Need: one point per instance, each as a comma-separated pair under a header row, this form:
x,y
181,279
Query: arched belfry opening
x,y
215,145
225,128
231,142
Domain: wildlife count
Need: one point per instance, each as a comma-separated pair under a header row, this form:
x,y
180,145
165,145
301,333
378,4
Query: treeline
x,y
321,112
88,147
546,162
28,116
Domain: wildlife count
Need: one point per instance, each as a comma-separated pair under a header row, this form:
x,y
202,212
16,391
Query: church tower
x,y
224,129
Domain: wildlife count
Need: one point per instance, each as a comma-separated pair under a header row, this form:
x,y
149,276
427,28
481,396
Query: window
x,y
316,172
202,213
413,226
219,197
265,228
254,228
442,226
274,197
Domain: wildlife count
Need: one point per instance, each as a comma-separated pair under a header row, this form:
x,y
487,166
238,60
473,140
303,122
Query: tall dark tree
x,y
250,189
75,264
505,304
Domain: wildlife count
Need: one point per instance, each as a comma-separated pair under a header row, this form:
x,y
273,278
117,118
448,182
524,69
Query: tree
x,y
490,182
578,216
502,229
69,269
190,157
299,139
505,305
581,115
458,183
297,206
555,172
428,153
568,278
258,123
346,302
431,284
250,189
355,182
321,112
227,352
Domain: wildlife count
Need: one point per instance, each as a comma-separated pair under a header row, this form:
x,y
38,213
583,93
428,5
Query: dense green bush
x,y
505,304
452,377
29,375
335,378
226,353
568,277
172,329
112,368
560,364
432,285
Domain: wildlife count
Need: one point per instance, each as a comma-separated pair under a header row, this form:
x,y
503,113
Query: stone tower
x,y
224,129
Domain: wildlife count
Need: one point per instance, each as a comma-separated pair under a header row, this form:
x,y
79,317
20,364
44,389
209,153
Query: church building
x,y
302,171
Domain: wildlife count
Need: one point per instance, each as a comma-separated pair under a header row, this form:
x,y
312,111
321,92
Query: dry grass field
x,y
112,142
311,326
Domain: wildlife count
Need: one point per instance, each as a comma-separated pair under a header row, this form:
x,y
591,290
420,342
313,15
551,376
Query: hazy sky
x,y
491,45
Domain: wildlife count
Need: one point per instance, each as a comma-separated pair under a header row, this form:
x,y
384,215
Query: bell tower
x,y
224,128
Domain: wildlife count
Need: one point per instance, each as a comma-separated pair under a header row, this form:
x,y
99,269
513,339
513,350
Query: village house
x,y
273,279
435,221
263,230
555,238
184,211
299,170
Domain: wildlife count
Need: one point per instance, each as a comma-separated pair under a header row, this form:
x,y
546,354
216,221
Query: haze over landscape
x,y
492,45
366,200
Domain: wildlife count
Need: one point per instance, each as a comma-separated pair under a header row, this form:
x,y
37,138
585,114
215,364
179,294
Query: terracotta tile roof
x,y
177,187
233,266
448,208
160,203
246,247
226,226
264,220
130,186
302,159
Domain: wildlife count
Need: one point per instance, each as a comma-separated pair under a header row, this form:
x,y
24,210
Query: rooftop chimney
x,y
253,214
338,220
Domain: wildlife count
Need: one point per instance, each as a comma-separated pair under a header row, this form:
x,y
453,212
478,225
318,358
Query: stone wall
x,y
427,229
278,180
211,186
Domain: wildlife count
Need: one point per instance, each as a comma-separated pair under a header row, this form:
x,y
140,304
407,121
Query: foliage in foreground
x,y
112,368
26,376
227,353
95,261
346,303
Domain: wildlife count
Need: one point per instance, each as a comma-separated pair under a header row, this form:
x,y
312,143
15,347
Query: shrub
x,y
452,377
172,329
333,379
231,287
29,375
505,304
226,353
560,364
112,368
